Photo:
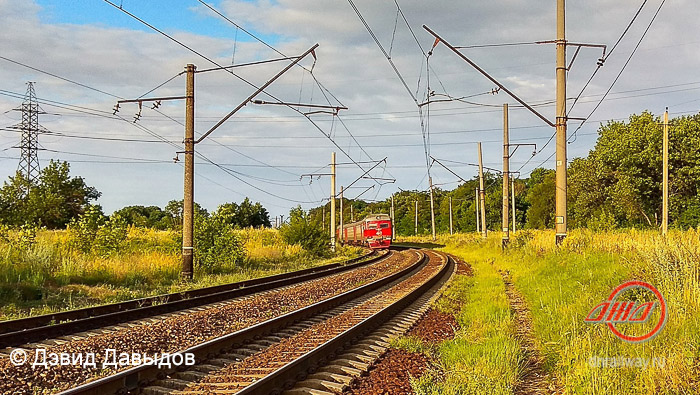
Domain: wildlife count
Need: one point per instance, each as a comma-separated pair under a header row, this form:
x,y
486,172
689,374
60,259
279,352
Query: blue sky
x,y
170,16
92,42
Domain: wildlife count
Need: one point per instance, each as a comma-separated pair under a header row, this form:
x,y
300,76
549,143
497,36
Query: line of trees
x,y
55,200
617,185
244,215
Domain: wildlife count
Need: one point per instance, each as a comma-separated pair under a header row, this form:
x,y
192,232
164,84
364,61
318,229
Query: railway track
x,y
272,354
175,331
36,329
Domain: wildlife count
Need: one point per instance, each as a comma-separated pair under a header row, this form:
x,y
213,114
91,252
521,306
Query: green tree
x,y
147,217
620,180
53,201
245,215
173,212
13,200
541,199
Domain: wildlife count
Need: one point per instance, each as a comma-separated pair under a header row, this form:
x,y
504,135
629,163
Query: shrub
x,y
93,232
216,244
303,231
22,237
604,222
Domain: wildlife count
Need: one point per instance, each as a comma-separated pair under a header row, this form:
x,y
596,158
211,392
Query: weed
x,y
560,285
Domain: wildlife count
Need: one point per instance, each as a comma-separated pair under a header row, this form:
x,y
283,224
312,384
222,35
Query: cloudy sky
x,y
84,55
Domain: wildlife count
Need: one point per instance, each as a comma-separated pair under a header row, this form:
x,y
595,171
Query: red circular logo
x,y
662,316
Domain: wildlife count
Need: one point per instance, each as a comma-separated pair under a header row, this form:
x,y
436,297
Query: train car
x,y
374,232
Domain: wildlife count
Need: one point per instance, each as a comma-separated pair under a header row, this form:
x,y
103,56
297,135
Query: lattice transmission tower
x,y
29,145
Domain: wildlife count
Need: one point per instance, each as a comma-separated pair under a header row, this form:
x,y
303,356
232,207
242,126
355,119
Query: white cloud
x,y
128,63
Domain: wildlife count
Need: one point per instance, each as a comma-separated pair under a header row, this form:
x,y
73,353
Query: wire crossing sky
x,y
84,55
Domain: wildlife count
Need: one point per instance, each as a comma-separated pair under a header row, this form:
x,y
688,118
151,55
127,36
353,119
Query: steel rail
x,y
285,377
140,376
38,328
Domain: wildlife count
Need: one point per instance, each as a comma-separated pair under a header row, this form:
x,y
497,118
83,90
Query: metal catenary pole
x,y
451,216
332,201
393,220
415,231
560,215
190,142
664,223
561,114
342,233
482,194
432,208
512,185
506,173
476,204
188,202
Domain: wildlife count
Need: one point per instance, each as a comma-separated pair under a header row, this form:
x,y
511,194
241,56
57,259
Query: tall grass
x,y
485,356
672,262
47,273
562,283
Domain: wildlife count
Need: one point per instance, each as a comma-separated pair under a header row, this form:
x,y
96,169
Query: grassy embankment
x,y
560,286
49,274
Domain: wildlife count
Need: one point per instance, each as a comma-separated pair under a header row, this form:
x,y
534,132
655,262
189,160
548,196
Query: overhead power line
x,y
324,91
229,71
600,64
57,76
623,67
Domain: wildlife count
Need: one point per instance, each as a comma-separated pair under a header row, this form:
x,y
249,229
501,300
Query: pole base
x,y
505,243
186,276
187,264
560,238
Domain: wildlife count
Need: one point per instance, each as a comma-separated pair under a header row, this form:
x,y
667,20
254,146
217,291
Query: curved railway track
x,y
35,329
298,328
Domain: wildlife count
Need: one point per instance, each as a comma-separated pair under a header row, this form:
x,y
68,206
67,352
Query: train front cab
x,y
377,231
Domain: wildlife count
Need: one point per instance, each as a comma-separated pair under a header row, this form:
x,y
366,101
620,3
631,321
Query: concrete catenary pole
x,y
352,214
560,215
432,208
393,220
451,216
512,185
505,239
476,204
415,231
332,201
342,236
482,194
664,223
188,199
323,218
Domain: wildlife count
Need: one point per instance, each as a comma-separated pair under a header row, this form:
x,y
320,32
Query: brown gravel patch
x,y
435,327
177,333
463,268
391,374
534,380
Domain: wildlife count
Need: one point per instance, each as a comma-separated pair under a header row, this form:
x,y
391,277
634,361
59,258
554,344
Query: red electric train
x,y
374,232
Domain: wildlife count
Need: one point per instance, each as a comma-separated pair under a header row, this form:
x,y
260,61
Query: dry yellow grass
x,y
51,275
